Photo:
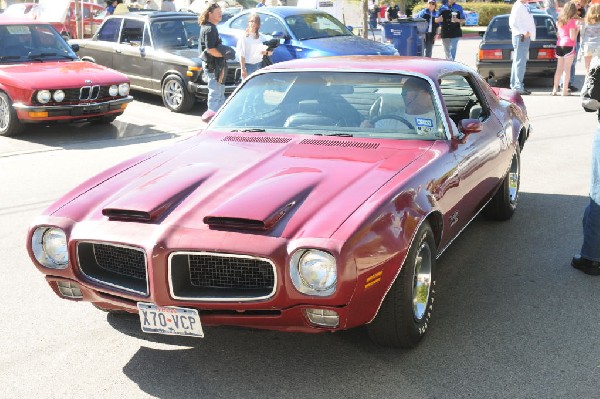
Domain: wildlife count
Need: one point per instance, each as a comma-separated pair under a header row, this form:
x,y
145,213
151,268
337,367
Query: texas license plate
x,y
169,320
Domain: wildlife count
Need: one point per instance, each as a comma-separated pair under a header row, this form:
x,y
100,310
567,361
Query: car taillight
x,y
490,54
546,53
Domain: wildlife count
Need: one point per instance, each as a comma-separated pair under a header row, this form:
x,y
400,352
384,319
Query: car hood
x,y
283,186
59,74
347,45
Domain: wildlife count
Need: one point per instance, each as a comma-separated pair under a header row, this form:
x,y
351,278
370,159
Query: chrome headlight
x,y
49,245
43,96
113,90
313,272
124,89
58,96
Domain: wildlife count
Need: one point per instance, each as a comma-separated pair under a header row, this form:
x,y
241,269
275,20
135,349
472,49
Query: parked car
x,y
65,21
314,201
494,59
43,81
305,34
158,51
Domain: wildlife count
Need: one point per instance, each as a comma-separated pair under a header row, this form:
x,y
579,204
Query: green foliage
x,y
485,10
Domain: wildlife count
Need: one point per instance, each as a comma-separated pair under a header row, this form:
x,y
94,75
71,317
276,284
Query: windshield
x,y
175,33
22,43
353,104
316,26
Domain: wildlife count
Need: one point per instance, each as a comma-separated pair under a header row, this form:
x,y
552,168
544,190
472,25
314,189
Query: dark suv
x,y
158,51
494,59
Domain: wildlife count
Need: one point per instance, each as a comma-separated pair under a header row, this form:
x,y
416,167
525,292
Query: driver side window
x,y
269,24
462,100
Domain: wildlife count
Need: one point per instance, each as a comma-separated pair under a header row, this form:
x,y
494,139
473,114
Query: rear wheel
x,y
504,203
9,122
405,313
175,95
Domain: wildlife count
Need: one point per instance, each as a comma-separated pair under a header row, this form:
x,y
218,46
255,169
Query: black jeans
x,y
429,40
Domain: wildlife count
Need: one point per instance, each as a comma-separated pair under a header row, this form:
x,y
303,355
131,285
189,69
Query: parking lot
x,y
514,320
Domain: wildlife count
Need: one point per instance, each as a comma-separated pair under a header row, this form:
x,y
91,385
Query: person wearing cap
x,y
451,17
431,16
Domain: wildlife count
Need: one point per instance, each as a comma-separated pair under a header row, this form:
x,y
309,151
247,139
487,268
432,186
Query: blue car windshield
x,y
316,26
324,103
25,43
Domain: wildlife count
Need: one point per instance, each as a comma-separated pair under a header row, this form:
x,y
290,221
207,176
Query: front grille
x,y
225,277
115,265
81,94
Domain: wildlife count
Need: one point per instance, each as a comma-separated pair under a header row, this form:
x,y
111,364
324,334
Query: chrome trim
x,y
146,294
38,108
224,255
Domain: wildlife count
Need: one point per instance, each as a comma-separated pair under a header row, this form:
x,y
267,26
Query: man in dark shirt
x,y
210,41
392,12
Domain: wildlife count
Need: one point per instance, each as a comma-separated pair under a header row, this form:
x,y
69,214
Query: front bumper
x,y
71,111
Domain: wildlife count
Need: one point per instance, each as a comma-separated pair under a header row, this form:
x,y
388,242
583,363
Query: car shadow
x,y
153,99
493,307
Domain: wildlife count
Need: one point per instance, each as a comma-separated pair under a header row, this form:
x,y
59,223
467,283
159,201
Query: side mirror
x,y
481,33
470,126
75,47
278,35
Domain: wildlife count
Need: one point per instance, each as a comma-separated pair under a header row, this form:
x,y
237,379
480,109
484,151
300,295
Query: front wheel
x,y
504,203
175,95
9,122
405,313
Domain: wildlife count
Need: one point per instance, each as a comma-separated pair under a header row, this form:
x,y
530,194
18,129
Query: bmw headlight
x,y
113,90
124,89
43,96
49,245
58,96
313,272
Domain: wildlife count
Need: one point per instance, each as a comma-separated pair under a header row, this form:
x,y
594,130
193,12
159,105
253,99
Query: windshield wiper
x,y
9,57
249,130
41,56
335,134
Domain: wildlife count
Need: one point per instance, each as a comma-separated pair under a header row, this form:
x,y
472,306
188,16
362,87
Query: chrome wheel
x,y
173,93
4,114
421,281
513,180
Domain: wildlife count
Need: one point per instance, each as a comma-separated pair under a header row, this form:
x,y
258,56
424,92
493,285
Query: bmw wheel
x,y
175,95
9,122
405,313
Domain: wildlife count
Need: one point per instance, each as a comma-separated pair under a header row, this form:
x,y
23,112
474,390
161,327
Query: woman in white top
x,y
250,47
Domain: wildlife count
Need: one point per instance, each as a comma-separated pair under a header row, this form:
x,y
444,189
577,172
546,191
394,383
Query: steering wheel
x,y
393,117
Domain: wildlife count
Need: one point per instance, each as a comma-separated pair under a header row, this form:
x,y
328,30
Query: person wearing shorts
x,y
565,46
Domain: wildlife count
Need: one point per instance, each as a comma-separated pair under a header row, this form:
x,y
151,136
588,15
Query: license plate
x,y
169,320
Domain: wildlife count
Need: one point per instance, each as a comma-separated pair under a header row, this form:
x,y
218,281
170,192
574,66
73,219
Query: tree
x,y
364,6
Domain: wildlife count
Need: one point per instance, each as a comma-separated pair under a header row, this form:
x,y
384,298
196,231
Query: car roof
x,y
155,15
432,67
12,20
285,11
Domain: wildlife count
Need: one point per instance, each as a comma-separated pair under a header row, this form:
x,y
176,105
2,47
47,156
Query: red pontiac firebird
x,y
43,81
317,199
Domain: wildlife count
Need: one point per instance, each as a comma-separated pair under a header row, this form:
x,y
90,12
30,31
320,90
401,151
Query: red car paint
x,y
360,199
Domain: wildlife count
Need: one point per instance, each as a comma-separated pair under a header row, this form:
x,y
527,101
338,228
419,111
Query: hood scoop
x,y
267,202
258,139
340,143
152,198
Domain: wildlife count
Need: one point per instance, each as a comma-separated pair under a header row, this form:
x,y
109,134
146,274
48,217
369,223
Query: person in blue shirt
x,y
261,3
431,16
110,7
452,16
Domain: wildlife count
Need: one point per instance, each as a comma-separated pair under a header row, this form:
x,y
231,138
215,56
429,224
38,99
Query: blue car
x,y
306,33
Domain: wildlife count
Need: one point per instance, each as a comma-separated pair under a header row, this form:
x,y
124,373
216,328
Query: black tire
x,y
404,315
9,122
504,203
175,95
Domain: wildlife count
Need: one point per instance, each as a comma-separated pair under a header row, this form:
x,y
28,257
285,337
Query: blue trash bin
x,y
407,35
